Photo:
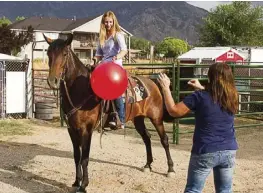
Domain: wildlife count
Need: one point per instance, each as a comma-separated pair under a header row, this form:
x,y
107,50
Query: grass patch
x,y
9,127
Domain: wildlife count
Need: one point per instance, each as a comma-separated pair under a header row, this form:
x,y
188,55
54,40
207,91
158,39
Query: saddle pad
x,y
139,89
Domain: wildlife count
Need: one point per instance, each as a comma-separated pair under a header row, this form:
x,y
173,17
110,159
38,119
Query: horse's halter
x,y
65,66
62,78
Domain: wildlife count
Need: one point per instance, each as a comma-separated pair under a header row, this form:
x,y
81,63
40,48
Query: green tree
x,y
140,44
19,18
171,47
237,23
11,42
4,20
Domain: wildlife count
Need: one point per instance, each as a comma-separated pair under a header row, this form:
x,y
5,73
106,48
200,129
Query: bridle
x,y
62,79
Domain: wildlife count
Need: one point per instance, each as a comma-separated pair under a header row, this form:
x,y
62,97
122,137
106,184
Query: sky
x,y
207,4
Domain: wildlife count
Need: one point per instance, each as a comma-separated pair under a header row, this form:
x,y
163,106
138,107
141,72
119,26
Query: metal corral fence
x,y
249,82
45,100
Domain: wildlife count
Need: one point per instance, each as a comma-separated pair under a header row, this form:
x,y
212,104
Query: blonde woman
x,y
214,142
112,47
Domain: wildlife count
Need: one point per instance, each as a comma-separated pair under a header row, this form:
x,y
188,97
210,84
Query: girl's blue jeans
x,y
221,162
120,108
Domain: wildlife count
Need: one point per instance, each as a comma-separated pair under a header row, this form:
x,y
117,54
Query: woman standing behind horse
x,y
112,47
214,141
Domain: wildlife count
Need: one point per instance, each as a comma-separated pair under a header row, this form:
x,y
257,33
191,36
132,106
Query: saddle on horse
x,y
135,92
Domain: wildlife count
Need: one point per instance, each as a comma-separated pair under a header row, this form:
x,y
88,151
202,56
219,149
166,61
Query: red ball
x,y
109,80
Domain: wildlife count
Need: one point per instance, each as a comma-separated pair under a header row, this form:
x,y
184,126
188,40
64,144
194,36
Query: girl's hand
x,y
164,81
195,83
114,58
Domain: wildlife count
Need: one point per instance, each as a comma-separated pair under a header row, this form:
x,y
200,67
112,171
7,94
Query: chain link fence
x,y
249,84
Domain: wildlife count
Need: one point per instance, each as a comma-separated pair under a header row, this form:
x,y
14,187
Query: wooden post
x,y
129,52
91,54
151,54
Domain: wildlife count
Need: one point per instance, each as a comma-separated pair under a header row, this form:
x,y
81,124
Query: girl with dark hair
x,y
214,142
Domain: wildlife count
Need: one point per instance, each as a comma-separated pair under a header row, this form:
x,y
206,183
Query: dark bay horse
x,y
82,107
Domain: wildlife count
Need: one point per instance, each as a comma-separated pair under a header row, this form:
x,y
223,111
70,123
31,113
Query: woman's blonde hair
x,y
222,88
116,27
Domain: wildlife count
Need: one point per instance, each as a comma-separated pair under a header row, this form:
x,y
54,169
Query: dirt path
x,y
43,163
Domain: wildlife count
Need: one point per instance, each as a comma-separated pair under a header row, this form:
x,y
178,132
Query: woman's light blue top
x,y
112,47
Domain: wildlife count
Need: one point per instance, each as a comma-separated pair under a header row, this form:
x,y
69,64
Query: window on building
x,y
77,53
83,37
230,55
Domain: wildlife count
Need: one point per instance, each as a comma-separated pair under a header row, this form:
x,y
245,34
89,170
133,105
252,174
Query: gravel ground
x,y
43,163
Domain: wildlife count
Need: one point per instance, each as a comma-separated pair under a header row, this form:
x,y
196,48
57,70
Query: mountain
x,y
150,20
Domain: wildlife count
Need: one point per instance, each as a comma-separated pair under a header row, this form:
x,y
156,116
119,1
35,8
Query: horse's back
x,y
152,85
152,105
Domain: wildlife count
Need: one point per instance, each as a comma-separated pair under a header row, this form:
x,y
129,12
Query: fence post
x,y
174,82
33,91
61,112
177,99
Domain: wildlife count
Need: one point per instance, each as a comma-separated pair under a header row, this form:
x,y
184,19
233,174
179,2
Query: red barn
x,y
204,55
208,55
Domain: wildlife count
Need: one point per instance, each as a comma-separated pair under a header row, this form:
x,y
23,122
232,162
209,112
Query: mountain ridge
x,y
150,20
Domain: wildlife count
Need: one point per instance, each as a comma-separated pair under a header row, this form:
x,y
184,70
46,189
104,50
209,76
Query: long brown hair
x,y
221,86
116,26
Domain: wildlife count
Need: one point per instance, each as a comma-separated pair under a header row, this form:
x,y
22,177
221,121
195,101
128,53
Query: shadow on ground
x,y
15,155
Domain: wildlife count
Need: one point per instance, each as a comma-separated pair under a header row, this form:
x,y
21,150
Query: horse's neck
x,y
75,68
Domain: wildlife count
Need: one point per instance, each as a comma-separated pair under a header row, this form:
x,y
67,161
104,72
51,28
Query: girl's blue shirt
x,y
214,127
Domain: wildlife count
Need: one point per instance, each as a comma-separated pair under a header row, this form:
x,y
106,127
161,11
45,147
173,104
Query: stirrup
x,y
112,124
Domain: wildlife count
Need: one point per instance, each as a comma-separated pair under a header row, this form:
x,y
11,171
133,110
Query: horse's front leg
x,y
85,146
76,151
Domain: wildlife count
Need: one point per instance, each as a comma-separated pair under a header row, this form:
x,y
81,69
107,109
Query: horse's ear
x,y
48,40
69,39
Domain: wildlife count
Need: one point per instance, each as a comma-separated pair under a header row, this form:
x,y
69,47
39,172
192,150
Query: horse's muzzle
x,y
53,82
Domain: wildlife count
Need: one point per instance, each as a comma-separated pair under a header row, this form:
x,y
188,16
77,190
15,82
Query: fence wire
x,y
249,87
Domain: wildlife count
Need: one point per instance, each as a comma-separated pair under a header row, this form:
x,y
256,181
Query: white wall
x,y
15,92
92,26
256,57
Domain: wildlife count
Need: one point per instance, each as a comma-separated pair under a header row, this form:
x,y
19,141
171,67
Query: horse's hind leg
x,y
158,124
76,151
141,129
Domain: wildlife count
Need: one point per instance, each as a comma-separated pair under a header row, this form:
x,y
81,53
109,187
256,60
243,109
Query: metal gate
x,y
2,89
13,88
42,93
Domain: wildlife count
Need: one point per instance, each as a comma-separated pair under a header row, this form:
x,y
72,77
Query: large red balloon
x,y
109,81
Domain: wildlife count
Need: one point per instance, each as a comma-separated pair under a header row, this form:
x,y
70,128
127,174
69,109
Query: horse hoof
x,y
81,190
146,170
72,189
170,174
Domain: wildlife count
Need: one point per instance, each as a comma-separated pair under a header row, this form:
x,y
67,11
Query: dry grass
x,y
10,127
39,64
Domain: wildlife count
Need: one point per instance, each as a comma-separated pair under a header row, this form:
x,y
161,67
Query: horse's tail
x,y
166,116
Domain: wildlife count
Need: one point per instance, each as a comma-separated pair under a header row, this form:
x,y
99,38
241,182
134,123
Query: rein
x,y
62,78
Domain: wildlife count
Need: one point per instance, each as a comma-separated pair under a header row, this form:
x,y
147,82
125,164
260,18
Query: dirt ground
x,y
42,162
